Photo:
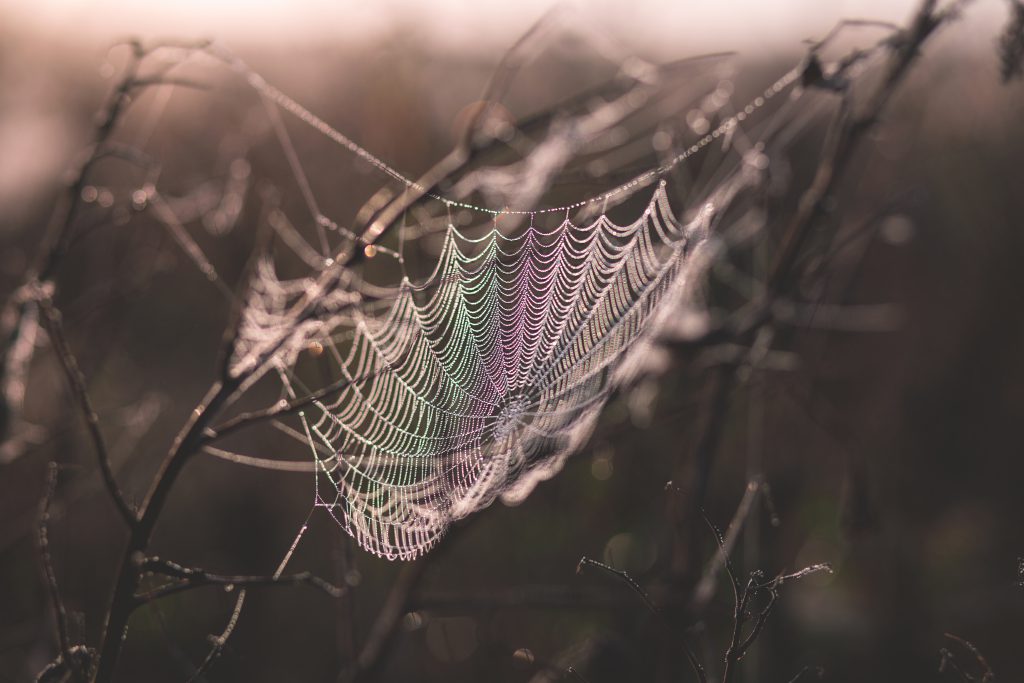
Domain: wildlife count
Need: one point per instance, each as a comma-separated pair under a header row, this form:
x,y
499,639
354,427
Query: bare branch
x,y
185,445
383,629
743,597
189,578
847,130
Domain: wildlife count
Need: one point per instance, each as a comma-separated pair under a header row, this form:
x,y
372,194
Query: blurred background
x,y
895,455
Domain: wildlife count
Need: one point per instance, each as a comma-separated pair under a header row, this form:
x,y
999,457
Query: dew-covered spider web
x,y
477,380
480,381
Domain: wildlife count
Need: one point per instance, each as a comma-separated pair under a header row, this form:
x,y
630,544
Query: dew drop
x,y
140,198
412,621
523,657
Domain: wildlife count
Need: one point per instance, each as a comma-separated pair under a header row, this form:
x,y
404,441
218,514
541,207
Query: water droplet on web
x,y
523,657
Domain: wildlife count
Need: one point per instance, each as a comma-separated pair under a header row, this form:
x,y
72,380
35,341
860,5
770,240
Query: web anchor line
x,y
276,96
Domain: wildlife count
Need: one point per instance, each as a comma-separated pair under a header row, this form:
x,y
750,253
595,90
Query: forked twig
x,y
743,597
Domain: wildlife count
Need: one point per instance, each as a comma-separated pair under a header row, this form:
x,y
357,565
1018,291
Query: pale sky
x,y
33,132
697,24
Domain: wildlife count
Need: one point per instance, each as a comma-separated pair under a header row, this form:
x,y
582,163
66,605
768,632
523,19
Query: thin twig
x,y
816,671
189,578
948,661
76,381
705,589
743,597
621,574
740,599
848,130
60,615
220,641
280,408
78,657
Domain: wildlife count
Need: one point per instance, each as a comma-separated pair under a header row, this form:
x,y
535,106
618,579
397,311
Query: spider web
x,y
481,381
478,381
